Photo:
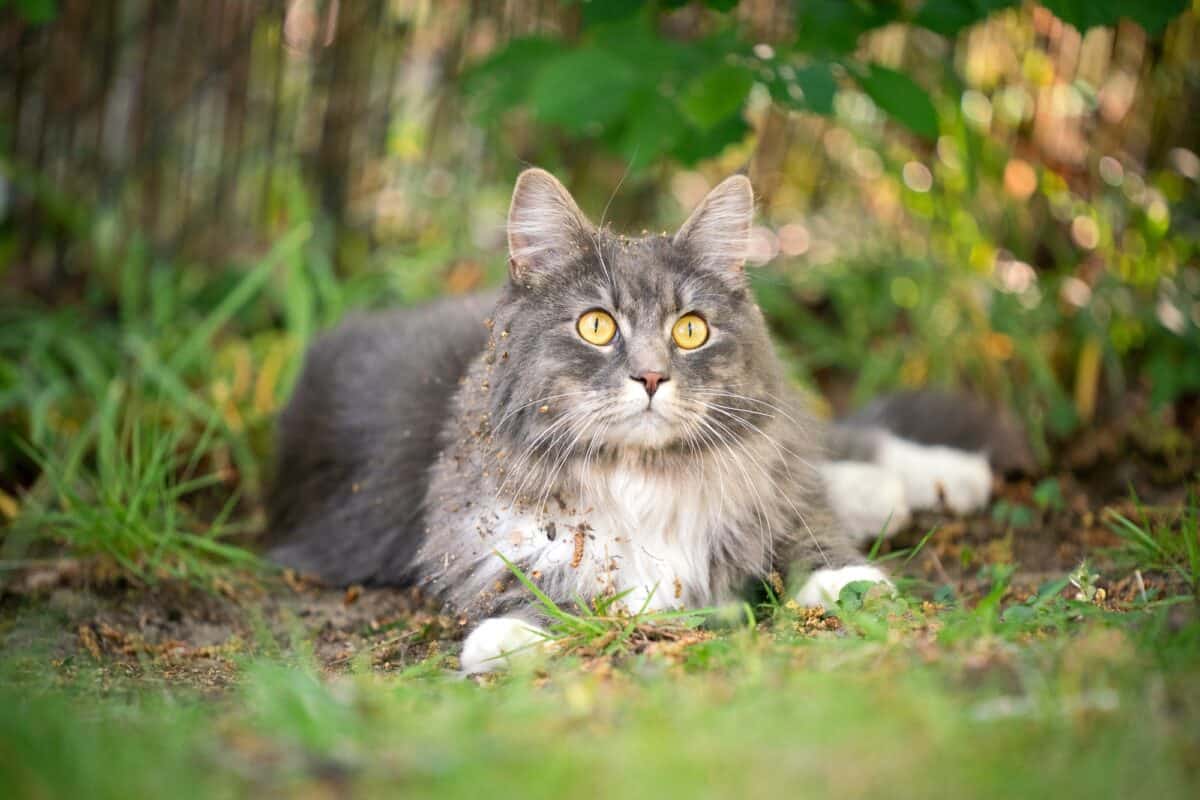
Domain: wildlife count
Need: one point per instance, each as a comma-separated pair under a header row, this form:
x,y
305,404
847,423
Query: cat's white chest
x,y
626,530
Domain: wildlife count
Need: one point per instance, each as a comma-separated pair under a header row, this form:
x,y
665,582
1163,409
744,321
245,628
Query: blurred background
x,y
991,194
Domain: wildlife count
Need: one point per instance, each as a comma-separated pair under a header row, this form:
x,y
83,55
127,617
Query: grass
x,y
143,429
1170,546
1053,693
137,436
137,504
898,700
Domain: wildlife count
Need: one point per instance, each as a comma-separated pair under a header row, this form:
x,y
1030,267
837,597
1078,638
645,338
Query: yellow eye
x,y
597,327
690,332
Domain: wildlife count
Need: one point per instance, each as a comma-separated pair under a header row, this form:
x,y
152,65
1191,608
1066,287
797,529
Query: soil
x,y
74,615
77,616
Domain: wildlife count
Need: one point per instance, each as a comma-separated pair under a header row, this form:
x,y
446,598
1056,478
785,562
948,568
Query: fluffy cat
x,y
614,421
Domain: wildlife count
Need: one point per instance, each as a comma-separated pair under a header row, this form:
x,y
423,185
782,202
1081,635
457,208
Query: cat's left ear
x,y
545,226
717,234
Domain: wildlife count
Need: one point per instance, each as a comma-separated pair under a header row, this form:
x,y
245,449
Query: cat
x,y
614,421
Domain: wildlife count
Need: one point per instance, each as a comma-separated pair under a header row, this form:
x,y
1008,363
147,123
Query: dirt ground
x,y
76,613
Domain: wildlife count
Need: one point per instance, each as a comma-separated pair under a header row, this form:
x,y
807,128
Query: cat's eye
x,y
690,331
597,327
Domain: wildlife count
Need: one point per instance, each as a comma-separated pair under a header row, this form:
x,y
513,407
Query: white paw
x,y
823,586
933,474
497,643
867,499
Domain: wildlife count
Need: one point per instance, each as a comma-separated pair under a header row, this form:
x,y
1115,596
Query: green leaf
x,y
1014,514
716,94
37,12
582,90
502,81
834,26
1048,495
653,127
1084,14
808,88
1061,418
1153,15
948,17
852,595
656,61
899,96
596,12
1018,614
697,145
819,87
1172,370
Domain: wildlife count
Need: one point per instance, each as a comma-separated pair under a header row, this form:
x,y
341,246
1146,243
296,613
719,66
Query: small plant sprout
x,y
1083,579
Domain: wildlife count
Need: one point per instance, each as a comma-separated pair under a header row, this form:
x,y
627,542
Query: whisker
x,y
780,493
536,401
766,528
564,422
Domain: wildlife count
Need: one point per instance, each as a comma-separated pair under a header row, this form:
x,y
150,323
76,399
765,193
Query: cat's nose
x,y
650,380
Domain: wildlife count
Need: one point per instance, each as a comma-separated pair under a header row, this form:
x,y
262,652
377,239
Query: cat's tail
x,y
931,417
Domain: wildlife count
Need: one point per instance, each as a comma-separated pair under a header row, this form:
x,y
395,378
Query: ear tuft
x,y
544,224
718,231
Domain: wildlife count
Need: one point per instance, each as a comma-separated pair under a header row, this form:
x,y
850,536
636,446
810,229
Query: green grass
x,y
137,503
1054,694
902,702
141,451
135,429
1171,546
1057,694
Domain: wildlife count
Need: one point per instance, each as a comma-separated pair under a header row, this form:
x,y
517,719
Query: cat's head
x,y
612,343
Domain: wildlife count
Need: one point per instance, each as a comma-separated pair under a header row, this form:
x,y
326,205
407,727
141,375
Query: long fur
x,y
431,446
359,435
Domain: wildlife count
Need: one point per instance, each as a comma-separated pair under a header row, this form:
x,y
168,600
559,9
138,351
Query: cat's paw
x,y
867,499
936,475
497,643
823,586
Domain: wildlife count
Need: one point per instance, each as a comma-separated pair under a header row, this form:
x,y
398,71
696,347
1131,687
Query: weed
x,y
606,624
1170,546
129,489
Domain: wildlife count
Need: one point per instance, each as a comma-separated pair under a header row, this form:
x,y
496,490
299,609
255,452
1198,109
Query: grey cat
x,y
614,421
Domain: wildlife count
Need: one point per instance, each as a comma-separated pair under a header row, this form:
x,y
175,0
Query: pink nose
x,y
651,380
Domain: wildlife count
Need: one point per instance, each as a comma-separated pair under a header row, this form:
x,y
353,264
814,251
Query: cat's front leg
x,y
828,554
823,587
497,643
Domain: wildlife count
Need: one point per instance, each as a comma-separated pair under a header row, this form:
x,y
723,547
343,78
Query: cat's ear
x,y
544,225
717,234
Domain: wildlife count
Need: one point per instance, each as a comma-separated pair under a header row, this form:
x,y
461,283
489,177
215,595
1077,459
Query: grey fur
x,y
359,435
956,420
412,435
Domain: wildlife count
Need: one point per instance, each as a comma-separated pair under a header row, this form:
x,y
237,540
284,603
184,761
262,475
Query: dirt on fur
x,y
67,615
70,616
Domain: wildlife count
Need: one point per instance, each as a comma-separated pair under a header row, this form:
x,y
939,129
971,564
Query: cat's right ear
x,y
544,225
717,234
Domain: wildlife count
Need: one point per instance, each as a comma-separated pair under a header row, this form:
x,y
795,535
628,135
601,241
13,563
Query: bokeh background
x,y
998,195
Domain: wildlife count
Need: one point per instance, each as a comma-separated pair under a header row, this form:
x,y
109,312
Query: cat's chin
x,y
644,425
645,430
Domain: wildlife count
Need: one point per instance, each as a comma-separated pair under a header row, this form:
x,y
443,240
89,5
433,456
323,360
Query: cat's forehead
x,y
647,272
